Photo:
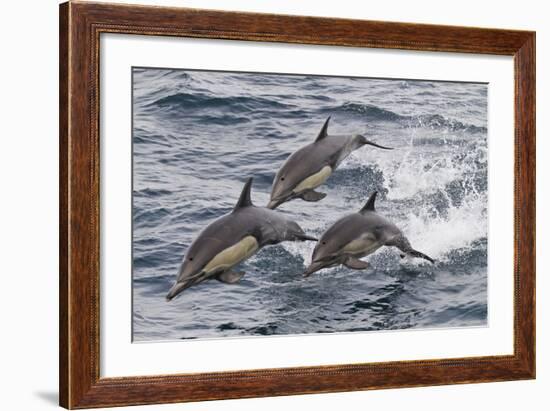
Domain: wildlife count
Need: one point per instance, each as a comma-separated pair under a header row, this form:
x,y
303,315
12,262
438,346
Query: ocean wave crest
x,y
189,101
433,121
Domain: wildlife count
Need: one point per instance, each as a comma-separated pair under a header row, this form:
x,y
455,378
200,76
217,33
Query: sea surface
x,y
197,137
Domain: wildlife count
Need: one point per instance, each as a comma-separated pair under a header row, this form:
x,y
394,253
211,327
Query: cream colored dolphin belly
x,y
233,255
314,180
364,245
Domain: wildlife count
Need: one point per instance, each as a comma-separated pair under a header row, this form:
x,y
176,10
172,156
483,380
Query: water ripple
x,y
198,135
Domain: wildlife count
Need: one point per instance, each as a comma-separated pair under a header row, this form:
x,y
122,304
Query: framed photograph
x,y
259,205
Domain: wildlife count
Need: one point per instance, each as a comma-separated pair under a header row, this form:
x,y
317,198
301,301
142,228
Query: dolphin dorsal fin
x,y
323,132
244,199
369,206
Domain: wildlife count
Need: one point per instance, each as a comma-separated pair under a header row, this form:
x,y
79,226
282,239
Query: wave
x,y
151,192
415,175
447,237
190,161
371,111
454,231
195,101
433,121
437,121
439,202
232,106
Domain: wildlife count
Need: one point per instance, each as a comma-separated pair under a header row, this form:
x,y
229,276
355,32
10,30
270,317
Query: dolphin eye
x,y
324,243
282,179
190,258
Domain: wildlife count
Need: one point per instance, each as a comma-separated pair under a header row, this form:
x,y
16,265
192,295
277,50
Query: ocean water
x,y
197,137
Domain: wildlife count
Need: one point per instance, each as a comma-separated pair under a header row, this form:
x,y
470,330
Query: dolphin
x,y
310,166
232,239
357,235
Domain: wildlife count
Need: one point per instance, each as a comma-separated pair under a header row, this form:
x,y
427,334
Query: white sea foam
x,y
415,173
302,250
460,227
189,132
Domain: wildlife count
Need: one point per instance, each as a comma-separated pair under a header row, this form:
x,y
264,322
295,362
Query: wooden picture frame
x,y
80,27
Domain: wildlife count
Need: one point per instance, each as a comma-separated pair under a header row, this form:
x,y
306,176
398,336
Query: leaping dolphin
x,y
310,166
358,235
232,239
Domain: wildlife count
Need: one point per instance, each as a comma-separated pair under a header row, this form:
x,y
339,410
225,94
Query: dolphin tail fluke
x,y
363,141
305,237
403,244
418,254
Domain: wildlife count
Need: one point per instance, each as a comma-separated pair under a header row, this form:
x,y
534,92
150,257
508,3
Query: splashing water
x,y
457,230
197,136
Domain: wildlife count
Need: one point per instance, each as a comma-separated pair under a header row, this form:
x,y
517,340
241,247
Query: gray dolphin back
x,y
357,235
394,237
245,230
316,161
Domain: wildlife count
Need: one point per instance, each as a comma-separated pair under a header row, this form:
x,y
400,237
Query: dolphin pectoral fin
x,y
230,277
355,263
313,196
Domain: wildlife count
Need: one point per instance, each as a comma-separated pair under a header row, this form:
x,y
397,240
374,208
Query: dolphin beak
x,y
177,288
273,204
313,267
